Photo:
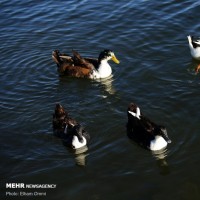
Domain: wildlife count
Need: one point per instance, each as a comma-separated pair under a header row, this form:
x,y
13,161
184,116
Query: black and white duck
x,y
144,131
68,129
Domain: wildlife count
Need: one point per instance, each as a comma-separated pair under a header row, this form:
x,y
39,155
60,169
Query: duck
x,y
68,129
145,132
91,68
194,45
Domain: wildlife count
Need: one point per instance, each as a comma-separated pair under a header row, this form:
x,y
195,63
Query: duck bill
x,y
114,59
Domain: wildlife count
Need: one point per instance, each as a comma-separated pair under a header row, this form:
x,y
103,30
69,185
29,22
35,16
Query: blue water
x,y
156,71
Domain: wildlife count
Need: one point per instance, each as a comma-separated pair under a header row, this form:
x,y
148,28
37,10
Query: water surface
x,y
156,72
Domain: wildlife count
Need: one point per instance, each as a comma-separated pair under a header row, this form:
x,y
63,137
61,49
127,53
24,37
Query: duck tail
x,y
76,55
55,56
80,61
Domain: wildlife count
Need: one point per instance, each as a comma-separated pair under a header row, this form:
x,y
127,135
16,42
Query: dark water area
x,y
156,71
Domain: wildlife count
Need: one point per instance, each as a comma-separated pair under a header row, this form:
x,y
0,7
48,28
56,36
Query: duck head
x,y
107,55
60,111
131,109
162,131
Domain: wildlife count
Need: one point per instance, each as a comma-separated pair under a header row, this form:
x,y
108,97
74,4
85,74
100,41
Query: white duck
x,y
194,45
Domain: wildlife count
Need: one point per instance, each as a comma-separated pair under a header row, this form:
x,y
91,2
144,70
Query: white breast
x,y
104,69
76,144
196,53
158,143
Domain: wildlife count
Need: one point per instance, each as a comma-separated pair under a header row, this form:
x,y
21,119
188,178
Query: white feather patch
x,y
158,143
76,144
137,114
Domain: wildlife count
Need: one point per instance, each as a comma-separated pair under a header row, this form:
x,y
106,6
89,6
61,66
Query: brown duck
x,y
77,66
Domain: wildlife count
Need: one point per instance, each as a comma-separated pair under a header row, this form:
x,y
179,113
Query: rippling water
x,y
156,72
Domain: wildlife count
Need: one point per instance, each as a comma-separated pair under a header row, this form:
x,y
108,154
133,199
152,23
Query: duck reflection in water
x,y
160,156
80,154
107,84
146,133
73,135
